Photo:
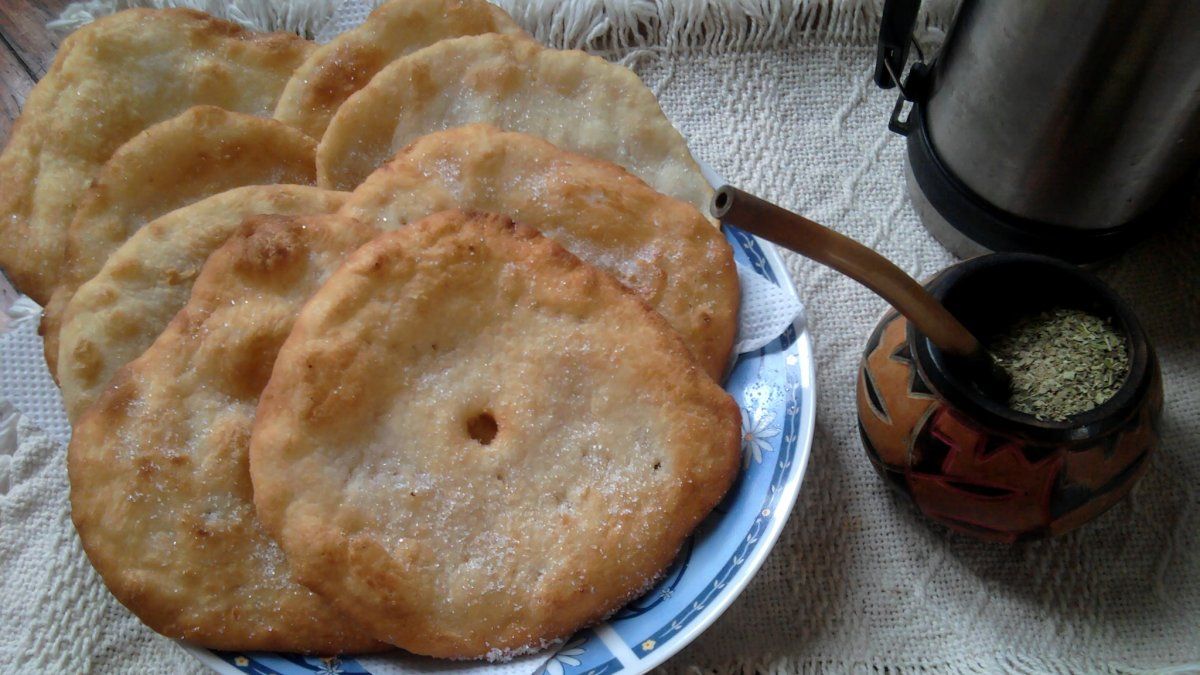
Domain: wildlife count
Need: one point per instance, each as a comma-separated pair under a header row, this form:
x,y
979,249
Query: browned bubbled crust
x,y
116,315
610,443
160,488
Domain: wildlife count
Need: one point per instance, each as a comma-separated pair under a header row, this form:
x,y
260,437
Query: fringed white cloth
x,y
606,26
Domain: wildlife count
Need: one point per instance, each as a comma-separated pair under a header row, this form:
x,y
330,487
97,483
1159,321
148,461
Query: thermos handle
x,y
895,37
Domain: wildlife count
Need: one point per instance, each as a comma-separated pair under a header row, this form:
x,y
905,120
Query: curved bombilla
x,y
814,241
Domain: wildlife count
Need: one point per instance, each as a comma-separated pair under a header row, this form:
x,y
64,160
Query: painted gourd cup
x,y
969,461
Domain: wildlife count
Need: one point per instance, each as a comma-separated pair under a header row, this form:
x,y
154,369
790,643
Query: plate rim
x,y
791,493
207,658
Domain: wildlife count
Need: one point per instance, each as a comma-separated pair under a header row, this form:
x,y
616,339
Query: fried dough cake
x,y
346,64
160,483
473,443
660,247
578,102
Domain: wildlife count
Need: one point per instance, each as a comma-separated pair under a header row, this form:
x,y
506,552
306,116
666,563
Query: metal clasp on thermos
x,y
895,38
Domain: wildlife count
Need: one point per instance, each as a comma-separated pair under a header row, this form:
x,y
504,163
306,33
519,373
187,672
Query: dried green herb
x,y
1062,362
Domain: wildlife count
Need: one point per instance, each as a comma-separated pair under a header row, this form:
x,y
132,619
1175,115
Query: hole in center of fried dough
x,y
482,427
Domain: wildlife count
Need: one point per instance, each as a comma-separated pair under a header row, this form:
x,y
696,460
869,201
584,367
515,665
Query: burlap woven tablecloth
x,y
778,98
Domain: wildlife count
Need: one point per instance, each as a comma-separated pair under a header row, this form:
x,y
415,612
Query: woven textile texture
x,y
858,581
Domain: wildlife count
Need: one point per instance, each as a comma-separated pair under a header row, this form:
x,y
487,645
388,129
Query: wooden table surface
x,y
27,49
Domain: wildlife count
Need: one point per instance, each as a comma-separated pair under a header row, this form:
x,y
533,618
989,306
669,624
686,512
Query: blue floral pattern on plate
x,y
774,387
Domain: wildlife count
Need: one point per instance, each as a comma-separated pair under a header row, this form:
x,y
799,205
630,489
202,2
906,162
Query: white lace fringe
x,y
595,25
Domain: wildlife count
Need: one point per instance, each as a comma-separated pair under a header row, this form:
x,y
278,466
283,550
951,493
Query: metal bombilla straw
x,y
814,241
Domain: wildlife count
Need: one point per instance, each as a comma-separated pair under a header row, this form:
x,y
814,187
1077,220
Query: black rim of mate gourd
x,y
992,291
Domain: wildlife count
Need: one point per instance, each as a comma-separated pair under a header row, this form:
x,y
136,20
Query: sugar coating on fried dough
x,y
660,247
474,444
160,484
578,102
200,152
117,314
110,80
346,64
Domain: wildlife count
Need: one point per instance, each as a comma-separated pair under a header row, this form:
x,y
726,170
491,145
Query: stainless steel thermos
x,y
1066,127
